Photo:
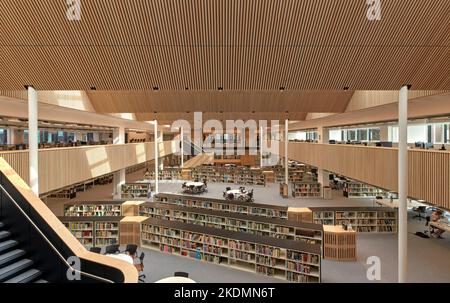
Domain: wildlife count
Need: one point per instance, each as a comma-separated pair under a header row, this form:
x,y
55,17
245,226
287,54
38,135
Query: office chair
x,y
420,210
142,276
181,274
111,249
131,249
96,250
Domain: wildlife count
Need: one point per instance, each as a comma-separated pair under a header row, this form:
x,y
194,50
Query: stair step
x,y
4,234
25,277
10,256
9,271
7,245
2,225
41,281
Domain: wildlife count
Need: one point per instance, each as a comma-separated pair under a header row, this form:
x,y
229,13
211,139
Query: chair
x,y
142,276
131,249
181,274
228,188
111,249
96,250
420,210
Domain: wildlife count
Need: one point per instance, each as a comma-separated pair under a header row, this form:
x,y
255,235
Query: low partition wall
x,y
429,170
61,167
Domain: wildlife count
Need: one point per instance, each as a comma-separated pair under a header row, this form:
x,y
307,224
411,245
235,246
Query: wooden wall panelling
x,y
429,171
61,167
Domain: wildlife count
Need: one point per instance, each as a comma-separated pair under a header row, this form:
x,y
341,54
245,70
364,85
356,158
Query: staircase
x,y
203,159
15,267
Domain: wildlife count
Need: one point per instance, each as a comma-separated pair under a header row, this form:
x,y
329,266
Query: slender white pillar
x,y
119,177
161,139
261,138
402,184
156,156
182,147
33,139
286,144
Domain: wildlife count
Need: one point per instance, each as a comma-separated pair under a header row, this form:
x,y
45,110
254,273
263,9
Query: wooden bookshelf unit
x,y
283,259
257,225
235,175
138,190
306,190
93,209
354,189
265,210
94,231
361,219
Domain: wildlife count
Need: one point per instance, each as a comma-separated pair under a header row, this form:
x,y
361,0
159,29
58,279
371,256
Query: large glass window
x,y
374,134
335,134
351,135
3,136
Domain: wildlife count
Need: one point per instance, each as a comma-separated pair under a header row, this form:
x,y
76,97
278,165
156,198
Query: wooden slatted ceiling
x,y
219,101
239,45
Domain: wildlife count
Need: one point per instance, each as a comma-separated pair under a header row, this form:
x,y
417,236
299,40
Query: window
x,y
3,136
351,135
336,134
361,135
374,134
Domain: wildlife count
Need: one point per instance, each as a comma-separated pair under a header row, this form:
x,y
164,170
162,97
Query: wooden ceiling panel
x,y
239,45
168,118
219,101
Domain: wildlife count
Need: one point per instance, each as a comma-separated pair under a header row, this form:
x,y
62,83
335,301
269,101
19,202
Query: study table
x,y
176,280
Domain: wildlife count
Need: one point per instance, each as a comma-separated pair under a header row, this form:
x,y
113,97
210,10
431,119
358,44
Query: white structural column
x,y
182,147
161,139
402,184
286,144
261,138
156,156
33,139
119,177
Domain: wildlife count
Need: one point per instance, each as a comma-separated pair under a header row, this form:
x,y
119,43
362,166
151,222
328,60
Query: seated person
x,y
147,174
443,147
434,231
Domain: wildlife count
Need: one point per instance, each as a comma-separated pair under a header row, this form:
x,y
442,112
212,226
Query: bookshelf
x,y
361,219
168,173
93,231
360,190
93,209
265,210
306,190
138,190
235,175
283,259
257,225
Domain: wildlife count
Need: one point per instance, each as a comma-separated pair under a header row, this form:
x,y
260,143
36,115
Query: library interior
x,y
225,141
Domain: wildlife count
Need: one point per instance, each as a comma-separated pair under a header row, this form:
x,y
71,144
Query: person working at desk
x,y
443,147
435,231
